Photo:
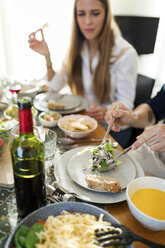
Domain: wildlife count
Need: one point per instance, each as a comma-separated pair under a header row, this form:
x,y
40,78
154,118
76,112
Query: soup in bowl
x,y
146,201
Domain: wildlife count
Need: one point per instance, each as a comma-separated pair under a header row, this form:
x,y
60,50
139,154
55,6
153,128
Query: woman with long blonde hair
x,y
100,65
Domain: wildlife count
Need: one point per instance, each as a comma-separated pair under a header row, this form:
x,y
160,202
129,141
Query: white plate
x,y
63,178
124,173
73,103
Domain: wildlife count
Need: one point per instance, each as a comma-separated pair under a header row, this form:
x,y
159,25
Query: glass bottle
x,y
27,152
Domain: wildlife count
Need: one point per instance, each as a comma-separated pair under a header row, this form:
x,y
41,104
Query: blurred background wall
x,y
18,18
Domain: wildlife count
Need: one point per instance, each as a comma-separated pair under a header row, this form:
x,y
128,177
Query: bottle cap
x,y
25,102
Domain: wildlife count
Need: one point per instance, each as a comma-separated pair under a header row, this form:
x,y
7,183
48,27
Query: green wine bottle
x,y
27,152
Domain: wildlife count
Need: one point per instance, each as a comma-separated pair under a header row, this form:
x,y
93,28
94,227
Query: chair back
x,y
143,92
140,31
144,89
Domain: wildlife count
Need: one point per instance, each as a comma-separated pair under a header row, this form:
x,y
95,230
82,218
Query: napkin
x,y
6,172
153,163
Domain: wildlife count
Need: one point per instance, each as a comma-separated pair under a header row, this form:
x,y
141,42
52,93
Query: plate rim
x,y
82,105
83,197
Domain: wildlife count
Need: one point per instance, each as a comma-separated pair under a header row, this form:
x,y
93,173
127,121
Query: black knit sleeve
x,y
157,104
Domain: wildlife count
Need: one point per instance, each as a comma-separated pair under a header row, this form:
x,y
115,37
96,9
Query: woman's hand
x,y
123,116
153,137
97,113
39,46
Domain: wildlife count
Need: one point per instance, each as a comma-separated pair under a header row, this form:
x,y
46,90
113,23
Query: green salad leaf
x,y
26,237
102,155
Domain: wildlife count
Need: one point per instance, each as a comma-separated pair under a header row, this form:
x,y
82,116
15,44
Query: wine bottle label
x,y
26,121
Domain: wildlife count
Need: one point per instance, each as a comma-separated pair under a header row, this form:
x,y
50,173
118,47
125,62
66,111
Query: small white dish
x,y
141,183
64,121
49,123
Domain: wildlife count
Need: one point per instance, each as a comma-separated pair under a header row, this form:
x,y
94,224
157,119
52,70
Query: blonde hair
x,y
101,79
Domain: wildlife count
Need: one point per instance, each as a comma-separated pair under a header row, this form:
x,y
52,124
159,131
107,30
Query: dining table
x,y
120,210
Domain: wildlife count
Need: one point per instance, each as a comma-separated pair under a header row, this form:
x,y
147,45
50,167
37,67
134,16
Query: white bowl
x,y
51,123
141,183
75,134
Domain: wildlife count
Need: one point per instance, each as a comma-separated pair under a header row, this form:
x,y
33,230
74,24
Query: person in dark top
x,y
151,143
157,104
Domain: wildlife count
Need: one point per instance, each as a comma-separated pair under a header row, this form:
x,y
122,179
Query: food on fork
x,y
45,25
56,105
103,157
103,183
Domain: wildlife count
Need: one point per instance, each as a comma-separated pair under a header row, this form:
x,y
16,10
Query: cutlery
x,y
109,128
57,193
112,163
121,235
69,141
69,147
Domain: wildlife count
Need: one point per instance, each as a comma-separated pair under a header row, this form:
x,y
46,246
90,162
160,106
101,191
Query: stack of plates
x,y
69,174
73,103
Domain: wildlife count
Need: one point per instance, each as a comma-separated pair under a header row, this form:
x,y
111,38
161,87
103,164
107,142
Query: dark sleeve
x,y
157,104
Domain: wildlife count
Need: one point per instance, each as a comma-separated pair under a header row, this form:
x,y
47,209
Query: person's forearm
x,y
50,71
143,116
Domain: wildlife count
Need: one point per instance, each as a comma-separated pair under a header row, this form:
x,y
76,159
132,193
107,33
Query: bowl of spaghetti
x,y
72,224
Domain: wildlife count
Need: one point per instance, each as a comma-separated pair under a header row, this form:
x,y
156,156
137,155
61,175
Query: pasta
x,y
71,230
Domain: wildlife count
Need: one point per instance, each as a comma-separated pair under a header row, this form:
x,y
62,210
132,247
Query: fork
x,y
121,235
111,164
109,126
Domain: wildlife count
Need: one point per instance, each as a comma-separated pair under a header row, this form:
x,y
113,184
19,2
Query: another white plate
x,y
73,103
124,173
63,178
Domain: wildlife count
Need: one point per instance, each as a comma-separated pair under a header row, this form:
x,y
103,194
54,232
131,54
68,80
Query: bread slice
x,y
103,183
56,105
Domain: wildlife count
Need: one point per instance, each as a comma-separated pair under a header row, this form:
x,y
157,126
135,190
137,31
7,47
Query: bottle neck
x,y
25,121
